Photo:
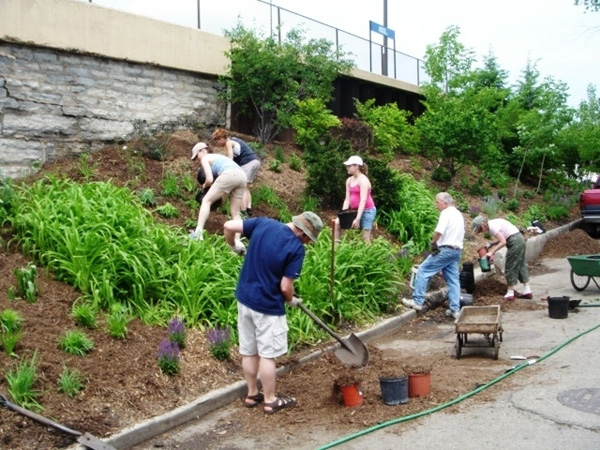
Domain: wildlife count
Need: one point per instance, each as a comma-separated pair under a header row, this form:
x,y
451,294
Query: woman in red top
x,y
358,197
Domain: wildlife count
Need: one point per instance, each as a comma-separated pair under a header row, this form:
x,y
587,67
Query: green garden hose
x,y
462,397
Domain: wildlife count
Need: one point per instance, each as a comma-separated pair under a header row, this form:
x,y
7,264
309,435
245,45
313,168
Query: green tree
x,y
268,77
590,5
460,124
544,113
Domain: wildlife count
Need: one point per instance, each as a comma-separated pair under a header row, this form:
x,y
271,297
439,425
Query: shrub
x,y
295,162
512,204
441,174
170,186
168,357
275,165
279,155
11,323
311,121
358,133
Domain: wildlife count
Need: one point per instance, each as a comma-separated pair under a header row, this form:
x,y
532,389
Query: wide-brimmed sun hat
x,y
310,223
477,222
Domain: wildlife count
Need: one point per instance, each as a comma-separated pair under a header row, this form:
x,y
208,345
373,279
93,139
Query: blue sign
x,y
382,30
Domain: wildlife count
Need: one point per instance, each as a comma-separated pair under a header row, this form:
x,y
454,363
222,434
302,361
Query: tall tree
x,y
268,77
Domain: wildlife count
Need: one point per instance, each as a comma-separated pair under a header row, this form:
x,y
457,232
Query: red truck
x,y
589,207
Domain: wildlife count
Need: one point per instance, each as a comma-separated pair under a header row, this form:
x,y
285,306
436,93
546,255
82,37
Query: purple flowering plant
x,y
220,342
168,357
474,211
176,332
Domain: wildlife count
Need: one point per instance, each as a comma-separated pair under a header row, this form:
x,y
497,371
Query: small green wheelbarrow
x,y
583,269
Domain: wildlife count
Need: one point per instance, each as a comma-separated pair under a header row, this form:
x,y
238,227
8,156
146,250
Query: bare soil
x,y
123,382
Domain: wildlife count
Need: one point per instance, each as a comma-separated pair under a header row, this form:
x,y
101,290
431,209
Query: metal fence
x,y
216,16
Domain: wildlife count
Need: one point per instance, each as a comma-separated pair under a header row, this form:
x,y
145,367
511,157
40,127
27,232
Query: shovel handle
x,y
4,402
324,326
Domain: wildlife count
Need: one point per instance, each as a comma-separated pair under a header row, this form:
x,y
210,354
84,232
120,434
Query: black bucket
x,y
346,217
467,278
558,307
394,391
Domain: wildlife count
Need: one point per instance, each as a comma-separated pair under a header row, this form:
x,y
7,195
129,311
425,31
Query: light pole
x,y
384,53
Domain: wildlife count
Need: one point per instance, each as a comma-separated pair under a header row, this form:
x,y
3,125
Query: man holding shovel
x,y
273,261
446,251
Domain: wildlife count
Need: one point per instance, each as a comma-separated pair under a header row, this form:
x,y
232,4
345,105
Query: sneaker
x,y
453,314
411,304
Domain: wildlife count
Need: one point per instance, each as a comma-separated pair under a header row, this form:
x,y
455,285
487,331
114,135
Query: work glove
x,y
433,248
238,248
295,301
196,235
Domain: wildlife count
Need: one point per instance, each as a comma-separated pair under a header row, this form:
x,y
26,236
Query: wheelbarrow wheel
x,y
458,345
579,282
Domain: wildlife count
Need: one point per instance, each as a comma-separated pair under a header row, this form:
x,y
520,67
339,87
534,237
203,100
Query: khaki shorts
x,y
261,334
232,182
251,169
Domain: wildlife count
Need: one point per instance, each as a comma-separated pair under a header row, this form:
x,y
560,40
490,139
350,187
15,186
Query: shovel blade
x,y
90,441
353,352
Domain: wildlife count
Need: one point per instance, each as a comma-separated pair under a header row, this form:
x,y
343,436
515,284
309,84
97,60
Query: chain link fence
x,y
216,16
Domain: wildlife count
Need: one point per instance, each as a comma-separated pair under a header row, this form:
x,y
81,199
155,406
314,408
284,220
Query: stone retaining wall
x,y
55,104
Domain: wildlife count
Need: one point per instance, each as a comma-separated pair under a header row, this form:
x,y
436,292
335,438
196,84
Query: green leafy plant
x,y
278,153
275,165
170,186
168,357
85,314
220,343
512,204
117,321
76,343
311,121
147,197
176,332
70,382
21,381
167,210
295,162
87,171
26,283
11,324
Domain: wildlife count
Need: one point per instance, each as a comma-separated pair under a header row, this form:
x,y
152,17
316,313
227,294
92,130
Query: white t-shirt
x,y
502,226
451,225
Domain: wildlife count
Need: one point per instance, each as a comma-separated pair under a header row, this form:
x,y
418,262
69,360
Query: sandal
x,y
283,401
255,399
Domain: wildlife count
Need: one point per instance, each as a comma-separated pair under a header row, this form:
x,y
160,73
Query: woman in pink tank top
x,y
358,197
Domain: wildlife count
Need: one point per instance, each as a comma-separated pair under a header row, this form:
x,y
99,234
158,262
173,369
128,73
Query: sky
x,y
562,39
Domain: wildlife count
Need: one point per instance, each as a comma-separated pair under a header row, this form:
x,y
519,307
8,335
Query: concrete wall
x,y
92,75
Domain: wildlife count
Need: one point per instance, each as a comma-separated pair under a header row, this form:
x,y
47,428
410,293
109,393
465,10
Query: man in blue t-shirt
x,y
273,261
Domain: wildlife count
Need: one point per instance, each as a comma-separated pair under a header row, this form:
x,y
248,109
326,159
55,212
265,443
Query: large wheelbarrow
x,y
583,269
484,320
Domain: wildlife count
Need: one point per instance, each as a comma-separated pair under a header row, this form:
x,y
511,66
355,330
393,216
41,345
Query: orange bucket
x,y
351,395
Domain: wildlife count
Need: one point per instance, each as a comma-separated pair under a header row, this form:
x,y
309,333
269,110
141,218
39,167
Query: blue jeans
x,y
447,260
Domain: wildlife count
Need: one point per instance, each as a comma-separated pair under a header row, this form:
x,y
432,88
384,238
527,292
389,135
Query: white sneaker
x,y
453,314
411,304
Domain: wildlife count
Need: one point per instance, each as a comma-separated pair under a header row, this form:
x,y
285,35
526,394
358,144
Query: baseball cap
x,y
196,149
477,222
354,160
310,223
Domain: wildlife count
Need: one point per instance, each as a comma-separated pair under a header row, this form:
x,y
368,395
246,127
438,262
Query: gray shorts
x,y
261,334
251,169
233,181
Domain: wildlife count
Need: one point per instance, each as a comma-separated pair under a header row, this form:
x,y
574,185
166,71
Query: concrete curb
x,y
218,398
